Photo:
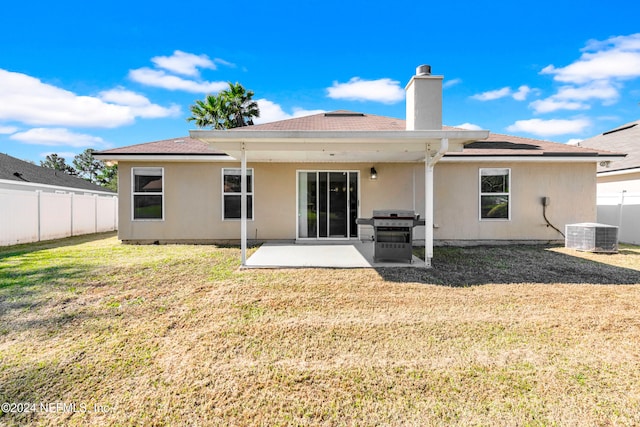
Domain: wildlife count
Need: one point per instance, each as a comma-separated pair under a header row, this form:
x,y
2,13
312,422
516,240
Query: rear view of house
x,y
310,178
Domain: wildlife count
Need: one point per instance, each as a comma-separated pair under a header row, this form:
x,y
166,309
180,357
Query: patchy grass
x,y
176,335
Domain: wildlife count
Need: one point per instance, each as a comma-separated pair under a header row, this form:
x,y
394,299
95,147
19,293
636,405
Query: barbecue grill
x,y
392,233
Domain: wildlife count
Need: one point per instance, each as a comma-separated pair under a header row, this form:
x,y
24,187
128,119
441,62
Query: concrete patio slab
x,y
321,255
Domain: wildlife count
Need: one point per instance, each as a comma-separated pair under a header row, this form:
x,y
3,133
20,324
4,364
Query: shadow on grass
x,y
29,278
472,266
8,251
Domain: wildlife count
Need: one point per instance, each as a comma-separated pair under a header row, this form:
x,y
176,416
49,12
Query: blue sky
x,y
84,74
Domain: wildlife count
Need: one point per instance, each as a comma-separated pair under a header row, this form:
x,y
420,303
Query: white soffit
x,y
335,146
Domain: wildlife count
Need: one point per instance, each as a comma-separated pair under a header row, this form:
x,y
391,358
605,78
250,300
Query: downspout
x,y
430,162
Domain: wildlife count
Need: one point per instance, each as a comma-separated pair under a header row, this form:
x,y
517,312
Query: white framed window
x,y
231,193
147,193
495,194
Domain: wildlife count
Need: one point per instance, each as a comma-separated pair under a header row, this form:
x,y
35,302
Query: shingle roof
x,y
344,120
18,170
179,145
509,145
623,139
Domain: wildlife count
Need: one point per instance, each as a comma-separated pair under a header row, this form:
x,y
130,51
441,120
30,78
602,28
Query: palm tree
x,y
241,106
231,108
209,112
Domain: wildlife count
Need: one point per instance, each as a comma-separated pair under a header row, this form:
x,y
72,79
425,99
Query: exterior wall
x,y
571,188
617,183
193,198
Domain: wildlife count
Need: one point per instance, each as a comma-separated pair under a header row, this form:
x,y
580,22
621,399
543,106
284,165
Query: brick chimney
x,y
424,100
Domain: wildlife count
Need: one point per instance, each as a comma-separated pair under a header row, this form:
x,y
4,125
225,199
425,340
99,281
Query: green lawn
x,y
177,335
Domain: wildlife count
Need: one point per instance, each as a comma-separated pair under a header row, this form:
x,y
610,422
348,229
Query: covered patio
x,y
344,147
354,254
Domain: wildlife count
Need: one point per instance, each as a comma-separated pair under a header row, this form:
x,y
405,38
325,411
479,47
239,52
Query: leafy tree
x,y
87,166
58,163
108,177
231,108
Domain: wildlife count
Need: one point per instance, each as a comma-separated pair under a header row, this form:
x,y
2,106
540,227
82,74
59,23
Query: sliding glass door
x,y
327,204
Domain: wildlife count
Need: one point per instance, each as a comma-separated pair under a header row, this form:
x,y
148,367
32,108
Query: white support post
x,y
243,205
429,163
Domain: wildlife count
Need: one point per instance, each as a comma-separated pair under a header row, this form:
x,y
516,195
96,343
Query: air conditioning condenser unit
x,y
592,237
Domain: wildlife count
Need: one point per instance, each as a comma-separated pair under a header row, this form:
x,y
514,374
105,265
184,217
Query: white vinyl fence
x,y
32,216
623,210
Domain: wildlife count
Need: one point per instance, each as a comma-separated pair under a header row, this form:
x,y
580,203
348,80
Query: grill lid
x,y
394,214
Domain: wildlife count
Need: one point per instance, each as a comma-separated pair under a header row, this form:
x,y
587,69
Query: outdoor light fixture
x,y
373,174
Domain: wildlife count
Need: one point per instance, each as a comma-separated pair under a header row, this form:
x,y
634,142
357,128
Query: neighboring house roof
x,y
343,120
623,139
13,169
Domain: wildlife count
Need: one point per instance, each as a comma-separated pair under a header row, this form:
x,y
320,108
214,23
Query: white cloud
x,y
139,104
184,63
574,141
575,97
522,93
615,58
28,100
598,74
382,90
469,126
493,94
450,83
550,105
57,137
5,130
602,90
271,112
552,127
159,78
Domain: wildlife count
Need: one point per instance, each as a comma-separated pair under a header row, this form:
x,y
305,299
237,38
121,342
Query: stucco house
x,y
309,178
619,182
